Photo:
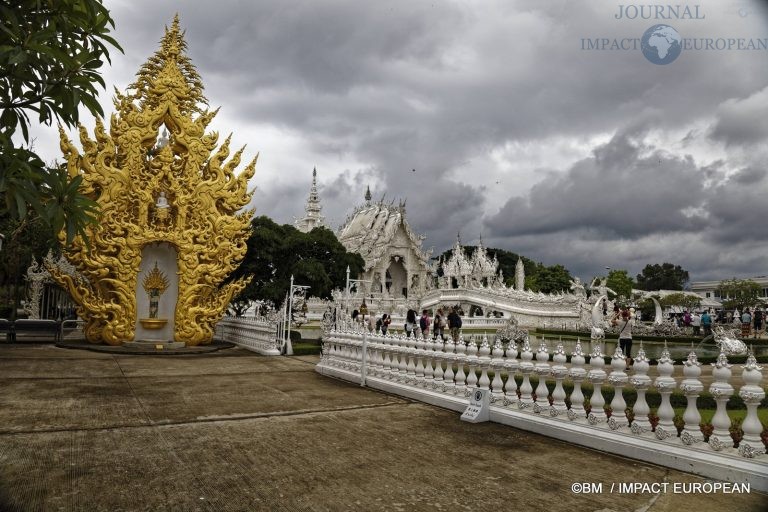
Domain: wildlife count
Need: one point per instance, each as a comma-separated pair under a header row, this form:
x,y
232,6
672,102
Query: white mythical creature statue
x,y
598,322
727,341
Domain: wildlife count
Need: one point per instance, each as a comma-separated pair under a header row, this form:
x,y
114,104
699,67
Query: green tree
x,y
620,282
739,293
50,55
276,252
683,300
662,277
27,238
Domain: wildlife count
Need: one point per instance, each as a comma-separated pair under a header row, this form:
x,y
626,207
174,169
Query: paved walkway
x,y
235,431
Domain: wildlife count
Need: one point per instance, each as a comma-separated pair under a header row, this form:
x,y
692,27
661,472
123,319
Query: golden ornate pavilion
x,y
170,210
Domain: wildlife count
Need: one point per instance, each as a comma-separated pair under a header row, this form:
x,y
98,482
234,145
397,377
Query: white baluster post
x,y
597,377
721,390
526,368
752,393
641,381
692,387
559,372
665,383
618,379
541,402
578,374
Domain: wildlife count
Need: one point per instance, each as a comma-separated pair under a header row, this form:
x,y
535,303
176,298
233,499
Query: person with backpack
x,y
439,327
454,324
746,323
424,323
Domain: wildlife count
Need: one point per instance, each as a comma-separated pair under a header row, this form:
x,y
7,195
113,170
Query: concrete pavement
x,y
235,431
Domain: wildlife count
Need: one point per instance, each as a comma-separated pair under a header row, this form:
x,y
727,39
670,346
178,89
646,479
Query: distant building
x,y
709,289
312,218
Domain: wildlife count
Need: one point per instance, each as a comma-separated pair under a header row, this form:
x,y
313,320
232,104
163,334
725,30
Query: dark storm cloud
x,y
371,91
616,192
743,121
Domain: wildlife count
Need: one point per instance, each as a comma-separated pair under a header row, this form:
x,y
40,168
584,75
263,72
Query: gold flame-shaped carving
x,y
125,171
155,280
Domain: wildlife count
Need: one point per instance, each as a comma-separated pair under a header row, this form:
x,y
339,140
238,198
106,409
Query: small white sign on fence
x,y
478,410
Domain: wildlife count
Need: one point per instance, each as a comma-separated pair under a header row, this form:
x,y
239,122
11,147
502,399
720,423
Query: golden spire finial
x,y
169,72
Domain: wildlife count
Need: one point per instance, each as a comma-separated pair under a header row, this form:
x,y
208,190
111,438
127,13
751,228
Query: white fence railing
x,y
255,334
435,372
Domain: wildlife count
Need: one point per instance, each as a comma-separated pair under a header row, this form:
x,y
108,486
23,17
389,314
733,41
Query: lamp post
x,y
348,290
298,291
364,311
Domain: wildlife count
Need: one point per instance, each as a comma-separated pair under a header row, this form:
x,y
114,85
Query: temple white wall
x,y
165,255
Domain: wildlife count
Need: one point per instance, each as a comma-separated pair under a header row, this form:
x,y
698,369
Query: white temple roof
x,y
370,230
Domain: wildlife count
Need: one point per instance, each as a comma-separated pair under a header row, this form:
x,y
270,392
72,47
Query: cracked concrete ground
x,y
235,431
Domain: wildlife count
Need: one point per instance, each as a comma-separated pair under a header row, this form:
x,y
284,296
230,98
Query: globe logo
x,y
661,44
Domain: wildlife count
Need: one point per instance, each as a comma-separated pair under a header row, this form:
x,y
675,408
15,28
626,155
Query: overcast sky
x,y
490,118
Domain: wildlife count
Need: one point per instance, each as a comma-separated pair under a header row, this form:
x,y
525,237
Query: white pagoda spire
x,y
519,275
313,218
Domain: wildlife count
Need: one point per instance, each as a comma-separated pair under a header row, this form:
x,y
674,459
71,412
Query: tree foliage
x,y
50,55
620,282
276,252
739,293
25,238
683,300
662,277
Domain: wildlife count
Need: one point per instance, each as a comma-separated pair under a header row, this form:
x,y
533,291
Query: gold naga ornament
x,y
177,191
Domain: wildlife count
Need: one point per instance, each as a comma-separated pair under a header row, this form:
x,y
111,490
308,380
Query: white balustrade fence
x,y
434,372
256,334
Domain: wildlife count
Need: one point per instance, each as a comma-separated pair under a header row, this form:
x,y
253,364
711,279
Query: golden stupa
x,y
175,190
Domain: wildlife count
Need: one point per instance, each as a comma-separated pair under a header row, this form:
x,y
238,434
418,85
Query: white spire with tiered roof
x,y
313,218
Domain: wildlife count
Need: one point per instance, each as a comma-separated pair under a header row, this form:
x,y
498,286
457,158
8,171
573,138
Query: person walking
x,y
410,322
439,325
706,323
746,322
757,320
385,321
696,323
625,322
454,324
424,323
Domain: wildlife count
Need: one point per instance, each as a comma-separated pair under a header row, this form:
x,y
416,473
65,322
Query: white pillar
x,y
541,402
752,393
721,390
577,374
559,372
665,383
641,381
692,388
618,379
596,376
526,368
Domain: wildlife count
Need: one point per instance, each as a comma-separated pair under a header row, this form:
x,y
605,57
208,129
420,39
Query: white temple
x,y
478,271
312,218
398,274
395,264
